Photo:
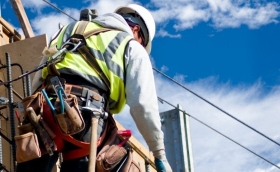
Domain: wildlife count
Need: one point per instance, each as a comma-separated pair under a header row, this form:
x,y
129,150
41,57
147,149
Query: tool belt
x,y
44,135
71,130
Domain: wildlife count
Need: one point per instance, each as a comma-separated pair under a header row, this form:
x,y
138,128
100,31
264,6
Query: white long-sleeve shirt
x,y
140,87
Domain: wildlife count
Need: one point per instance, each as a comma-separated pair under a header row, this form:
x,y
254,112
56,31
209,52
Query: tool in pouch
x,y
65,109
113,156
34,120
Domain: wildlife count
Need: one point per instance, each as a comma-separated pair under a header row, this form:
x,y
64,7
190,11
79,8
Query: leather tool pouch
x,y
29,143
110,155
27,147
129,164
35,101
70,122
113,157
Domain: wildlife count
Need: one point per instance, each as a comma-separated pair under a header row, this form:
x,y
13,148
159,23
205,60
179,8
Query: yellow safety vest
x,y
108,48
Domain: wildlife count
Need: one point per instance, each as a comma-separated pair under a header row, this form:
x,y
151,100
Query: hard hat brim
x,y
125,9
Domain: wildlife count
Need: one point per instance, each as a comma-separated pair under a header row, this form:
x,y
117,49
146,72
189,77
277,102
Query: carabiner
x,y
68,44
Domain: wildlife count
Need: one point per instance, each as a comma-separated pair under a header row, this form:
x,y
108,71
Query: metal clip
x,y
68,44
57,86
64,48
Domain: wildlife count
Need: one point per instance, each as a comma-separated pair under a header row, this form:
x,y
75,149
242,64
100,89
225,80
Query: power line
x,y
218,107
59,10
162,100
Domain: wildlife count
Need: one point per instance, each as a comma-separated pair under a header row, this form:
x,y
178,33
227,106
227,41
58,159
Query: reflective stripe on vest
x,y
108,48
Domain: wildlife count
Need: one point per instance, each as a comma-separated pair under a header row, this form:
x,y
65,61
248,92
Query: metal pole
x,y
11,107
28,89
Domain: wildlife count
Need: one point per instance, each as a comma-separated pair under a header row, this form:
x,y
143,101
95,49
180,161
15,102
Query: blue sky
x,y
226,51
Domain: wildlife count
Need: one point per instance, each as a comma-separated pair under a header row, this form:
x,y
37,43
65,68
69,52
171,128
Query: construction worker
x,y
125,62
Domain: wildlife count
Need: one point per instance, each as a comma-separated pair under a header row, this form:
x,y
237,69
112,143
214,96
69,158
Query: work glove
x,y
161,162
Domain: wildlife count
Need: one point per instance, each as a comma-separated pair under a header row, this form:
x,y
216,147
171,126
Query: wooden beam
x,y
6,32
22,17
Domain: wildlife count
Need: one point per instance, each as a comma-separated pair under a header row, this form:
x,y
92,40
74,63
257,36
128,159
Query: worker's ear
x,y
135,29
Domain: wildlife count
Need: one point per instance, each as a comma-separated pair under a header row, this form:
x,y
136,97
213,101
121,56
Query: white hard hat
x,y
149,26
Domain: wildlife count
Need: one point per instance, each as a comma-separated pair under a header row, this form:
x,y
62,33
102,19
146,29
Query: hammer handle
x,y
93,144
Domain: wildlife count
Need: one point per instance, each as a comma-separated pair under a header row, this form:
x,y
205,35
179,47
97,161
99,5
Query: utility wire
x,y
217,107
59,10
162,100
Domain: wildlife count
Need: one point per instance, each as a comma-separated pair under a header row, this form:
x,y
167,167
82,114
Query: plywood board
x,y
26,54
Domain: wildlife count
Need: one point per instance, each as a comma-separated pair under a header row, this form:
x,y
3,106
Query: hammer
x,y
96,114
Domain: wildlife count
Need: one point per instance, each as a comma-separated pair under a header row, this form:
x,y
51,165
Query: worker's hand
x,y
161,162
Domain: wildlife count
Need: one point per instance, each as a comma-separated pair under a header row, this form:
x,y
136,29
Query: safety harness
x,y
76,42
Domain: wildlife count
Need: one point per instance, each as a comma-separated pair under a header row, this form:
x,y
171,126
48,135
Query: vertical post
x,y
177,140
11,108
28,89
19,10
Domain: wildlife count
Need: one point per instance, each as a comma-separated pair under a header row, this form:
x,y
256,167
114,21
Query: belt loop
x,y
84,92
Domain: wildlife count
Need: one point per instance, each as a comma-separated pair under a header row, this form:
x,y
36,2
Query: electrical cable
x,y
218,108
59,10
162,100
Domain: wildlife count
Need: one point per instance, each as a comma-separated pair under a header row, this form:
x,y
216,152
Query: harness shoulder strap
x,y
86,54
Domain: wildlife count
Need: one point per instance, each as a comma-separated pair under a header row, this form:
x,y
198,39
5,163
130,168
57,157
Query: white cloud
x,y
106,6
164,69
247,103
219,13
34,4
163,33
250,104
49,24
187,14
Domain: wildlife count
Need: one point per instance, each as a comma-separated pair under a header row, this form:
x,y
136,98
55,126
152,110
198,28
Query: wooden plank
x,y
8,29
22,17
7,32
